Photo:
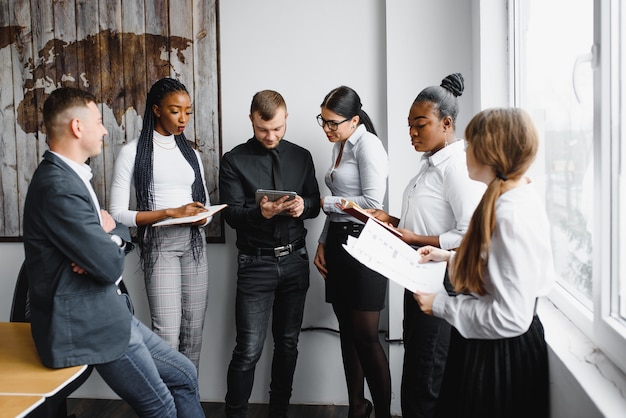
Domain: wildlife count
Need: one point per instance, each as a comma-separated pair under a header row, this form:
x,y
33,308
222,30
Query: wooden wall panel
x,y
181,25
8,168
207,101
27,146
116,50
135,63
110,56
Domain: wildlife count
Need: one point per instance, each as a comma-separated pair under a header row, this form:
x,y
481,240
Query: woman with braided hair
x,y
436,209
168,178
498,359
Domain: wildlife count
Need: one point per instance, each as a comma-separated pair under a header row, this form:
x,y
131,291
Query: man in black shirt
x,y
273,263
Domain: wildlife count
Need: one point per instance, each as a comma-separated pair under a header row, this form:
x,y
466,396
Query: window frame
x,y
607,332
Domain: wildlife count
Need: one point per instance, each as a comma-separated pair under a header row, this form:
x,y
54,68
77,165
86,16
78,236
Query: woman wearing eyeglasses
x,y
358,173
437,206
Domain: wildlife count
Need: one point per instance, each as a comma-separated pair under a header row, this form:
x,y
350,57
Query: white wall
x,y
387,51
426,41
302,50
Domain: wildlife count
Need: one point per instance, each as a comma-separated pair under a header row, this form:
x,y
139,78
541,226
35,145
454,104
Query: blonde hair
x,y
506,140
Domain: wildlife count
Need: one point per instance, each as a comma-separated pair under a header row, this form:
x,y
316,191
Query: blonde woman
x,y
498,363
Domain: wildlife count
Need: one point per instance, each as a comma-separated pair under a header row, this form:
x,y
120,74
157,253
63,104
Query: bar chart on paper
x,y
385,253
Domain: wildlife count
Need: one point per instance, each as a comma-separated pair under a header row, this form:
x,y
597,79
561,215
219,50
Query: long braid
x,y
147,236
198,193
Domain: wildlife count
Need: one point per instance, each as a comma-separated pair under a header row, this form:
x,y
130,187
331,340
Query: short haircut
x,y
61,100
266,103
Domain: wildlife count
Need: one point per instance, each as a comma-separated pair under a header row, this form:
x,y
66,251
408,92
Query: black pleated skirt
x,y
497,378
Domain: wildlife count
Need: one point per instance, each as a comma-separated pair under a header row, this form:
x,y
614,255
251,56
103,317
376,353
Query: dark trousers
x,y
266,286
426,341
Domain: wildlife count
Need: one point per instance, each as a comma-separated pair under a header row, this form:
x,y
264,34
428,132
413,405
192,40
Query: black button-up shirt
x,y
248,167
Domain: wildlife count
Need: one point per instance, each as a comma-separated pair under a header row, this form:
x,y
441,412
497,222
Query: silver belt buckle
x,y
281,251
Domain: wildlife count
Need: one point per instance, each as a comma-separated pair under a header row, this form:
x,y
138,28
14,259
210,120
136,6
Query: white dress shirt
x,y
520,269
441,198
360,177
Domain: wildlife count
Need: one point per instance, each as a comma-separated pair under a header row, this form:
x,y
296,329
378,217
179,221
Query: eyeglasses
x,y
332,125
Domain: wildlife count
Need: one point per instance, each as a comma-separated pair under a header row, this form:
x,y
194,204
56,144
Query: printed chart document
x,y
212,210
377,249
359,213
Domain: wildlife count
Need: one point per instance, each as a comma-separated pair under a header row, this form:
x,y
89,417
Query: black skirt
x,y
349,283
497,378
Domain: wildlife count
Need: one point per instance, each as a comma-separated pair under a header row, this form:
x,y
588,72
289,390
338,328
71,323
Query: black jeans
x,y
267,285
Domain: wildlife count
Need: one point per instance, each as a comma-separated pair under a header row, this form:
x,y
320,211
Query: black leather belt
x,y
346,227
281,251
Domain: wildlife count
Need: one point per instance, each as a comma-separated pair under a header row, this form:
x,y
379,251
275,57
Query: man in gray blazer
x,y
78,313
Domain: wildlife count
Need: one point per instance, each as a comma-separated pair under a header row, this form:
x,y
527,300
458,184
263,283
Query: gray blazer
x,y
75,318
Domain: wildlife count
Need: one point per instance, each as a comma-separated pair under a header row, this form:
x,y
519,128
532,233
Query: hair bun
x,y
454,83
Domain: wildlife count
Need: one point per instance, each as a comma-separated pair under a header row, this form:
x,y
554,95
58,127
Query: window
x,y
574,96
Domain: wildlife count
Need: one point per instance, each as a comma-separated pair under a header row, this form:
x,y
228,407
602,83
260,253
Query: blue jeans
x,y
267,285
155,379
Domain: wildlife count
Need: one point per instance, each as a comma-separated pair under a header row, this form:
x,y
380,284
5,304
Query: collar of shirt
x,y
443,154
83,170
357,134
85,174
258,147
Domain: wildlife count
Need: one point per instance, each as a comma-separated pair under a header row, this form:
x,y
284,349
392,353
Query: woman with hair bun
x,y
168,177
436,209
498,359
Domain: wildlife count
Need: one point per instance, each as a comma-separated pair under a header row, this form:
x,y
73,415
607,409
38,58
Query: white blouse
x,y
172,176
520,269
441,198
361,176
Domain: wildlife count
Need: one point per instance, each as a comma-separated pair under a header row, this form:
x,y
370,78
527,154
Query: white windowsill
x,y
576,365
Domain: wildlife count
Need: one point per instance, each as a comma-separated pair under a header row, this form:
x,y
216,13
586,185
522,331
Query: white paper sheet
x,y
387,254
211,210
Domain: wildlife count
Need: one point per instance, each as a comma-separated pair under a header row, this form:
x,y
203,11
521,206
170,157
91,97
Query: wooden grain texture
x,y
206,110
16,405
20,361
157,23
8,169
88,78
116,50
182,21
44,74
134,70
26,146
110,54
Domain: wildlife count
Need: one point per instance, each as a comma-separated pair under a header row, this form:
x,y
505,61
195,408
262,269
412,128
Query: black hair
x,y
144,179
345,102
444,96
